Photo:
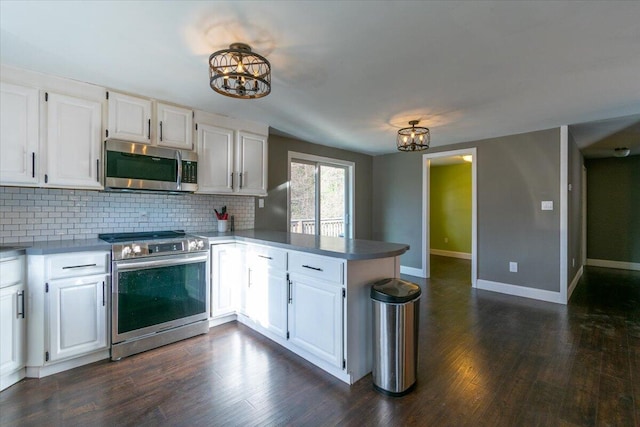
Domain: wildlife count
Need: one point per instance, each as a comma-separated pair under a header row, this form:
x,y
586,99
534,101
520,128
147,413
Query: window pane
x,y
332,200
303,194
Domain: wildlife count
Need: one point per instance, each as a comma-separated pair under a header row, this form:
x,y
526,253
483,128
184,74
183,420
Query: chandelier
x,y
413,138
239,73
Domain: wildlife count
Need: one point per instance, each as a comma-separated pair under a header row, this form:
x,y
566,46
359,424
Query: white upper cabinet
x,y
129,118
215,158
231,159
18,135
252,163
174,126
74,128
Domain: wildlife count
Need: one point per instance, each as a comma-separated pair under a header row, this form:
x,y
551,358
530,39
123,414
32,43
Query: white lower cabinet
x,y
316,318
12,321
77,316
316,306
266,291
68,311
226,278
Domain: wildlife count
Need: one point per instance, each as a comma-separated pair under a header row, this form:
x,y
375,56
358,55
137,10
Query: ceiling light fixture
x,y
621,152
468,158
239,73
413,138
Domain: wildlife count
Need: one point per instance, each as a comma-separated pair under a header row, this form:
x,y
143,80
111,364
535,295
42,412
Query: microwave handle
x,y
179,160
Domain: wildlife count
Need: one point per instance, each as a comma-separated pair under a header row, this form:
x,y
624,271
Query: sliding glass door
x,y
320,196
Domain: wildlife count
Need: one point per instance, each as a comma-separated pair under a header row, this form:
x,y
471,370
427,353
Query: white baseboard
x,y
520,291
452,254
622,265
574,282
412,271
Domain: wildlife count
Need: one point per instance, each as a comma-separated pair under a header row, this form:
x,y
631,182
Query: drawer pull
x,y
265,257
78,266
312,268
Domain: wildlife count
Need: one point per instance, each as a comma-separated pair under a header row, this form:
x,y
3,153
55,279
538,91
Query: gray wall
x,y
274,214
574,241
397,203
515,173
613,209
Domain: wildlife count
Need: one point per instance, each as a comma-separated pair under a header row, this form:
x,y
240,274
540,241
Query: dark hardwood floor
x,y
486,359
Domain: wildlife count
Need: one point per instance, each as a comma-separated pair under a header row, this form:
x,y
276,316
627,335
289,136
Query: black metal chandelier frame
x,y
239,73
414,138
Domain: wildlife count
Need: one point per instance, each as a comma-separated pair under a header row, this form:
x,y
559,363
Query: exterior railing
x,y
328,227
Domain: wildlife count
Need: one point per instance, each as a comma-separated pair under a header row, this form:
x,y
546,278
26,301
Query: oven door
x,y
155,294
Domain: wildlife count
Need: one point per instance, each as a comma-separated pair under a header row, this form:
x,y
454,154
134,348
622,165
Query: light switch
x,y
261,203
513,267
547,205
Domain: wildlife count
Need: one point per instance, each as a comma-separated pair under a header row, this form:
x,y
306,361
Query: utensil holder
x,y
223,225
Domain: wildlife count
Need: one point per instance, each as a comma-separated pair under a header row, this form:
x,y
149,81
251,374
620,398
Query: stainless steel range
x,y
159,289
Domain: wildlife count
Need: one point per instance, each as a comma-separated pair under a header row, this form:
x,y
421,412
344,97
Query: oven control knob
x,y
192,245
200,244
126,251
136,249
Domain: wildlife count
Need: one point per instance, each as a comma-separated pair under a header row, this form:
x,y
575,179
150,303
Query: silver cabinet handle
x,y
103,294
149,129
312,268
98,170
20,305
265,257
160,131
33,165
232,180
240,179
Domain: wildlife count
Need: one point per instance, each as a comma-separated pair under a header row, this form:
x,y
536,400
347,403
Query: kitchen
x,y
42,211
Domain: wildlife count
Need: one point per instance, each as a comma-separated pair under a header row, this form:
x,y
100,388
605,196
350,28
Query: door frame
x,y
426,192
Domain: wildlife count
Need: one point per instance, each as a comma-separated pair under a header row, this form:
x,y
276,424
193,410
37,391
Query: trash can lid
x,y
395,291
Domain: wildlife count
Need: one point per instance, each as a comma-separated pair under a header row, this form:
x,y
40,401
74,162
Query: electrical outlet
x,y
261,203
513,267
547,205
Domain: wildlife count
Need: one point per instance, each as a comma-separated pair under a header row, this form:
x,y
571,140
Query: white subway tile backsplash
x,y
34,214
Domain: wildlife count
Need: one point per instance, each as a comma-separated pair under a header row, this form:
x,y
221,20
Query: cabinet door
x,y
12,329
73,142
315,318
215,159
77,316
267,299
252,164
129,118
174,127
18,135
225,279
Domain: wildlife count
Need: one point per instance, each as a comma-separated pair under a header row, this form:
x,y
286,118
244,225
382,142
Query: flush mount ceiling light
x,y
413,138
240,73
621,152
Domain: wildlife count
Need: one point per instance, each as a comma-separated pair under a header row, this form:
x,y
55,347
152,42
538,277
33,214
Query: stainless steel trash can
x,y
395,335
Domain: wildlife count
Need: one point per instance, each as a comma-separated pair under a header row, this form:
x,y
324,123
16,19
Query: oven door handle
x,y
138,264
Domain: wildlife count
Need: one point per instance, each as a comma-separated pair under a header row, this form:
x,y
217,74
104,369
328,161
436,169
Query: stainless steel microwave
x,y
133,166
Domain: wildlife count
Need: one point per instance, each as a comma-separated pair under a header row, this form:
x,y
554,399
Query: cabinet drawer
x,y
264,256
316,266
77,264
11,270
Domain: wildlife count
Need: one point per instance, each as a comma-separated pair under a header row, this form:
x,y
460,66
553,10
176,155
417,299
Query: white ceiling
x,y
349,74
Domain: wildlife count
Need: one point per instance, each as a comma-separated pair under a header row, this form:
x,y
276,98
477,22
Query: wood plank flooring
x,y
486,359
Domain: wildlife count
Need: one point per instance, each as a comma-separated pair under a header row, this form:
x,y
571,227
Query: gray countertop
x,y
350,249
